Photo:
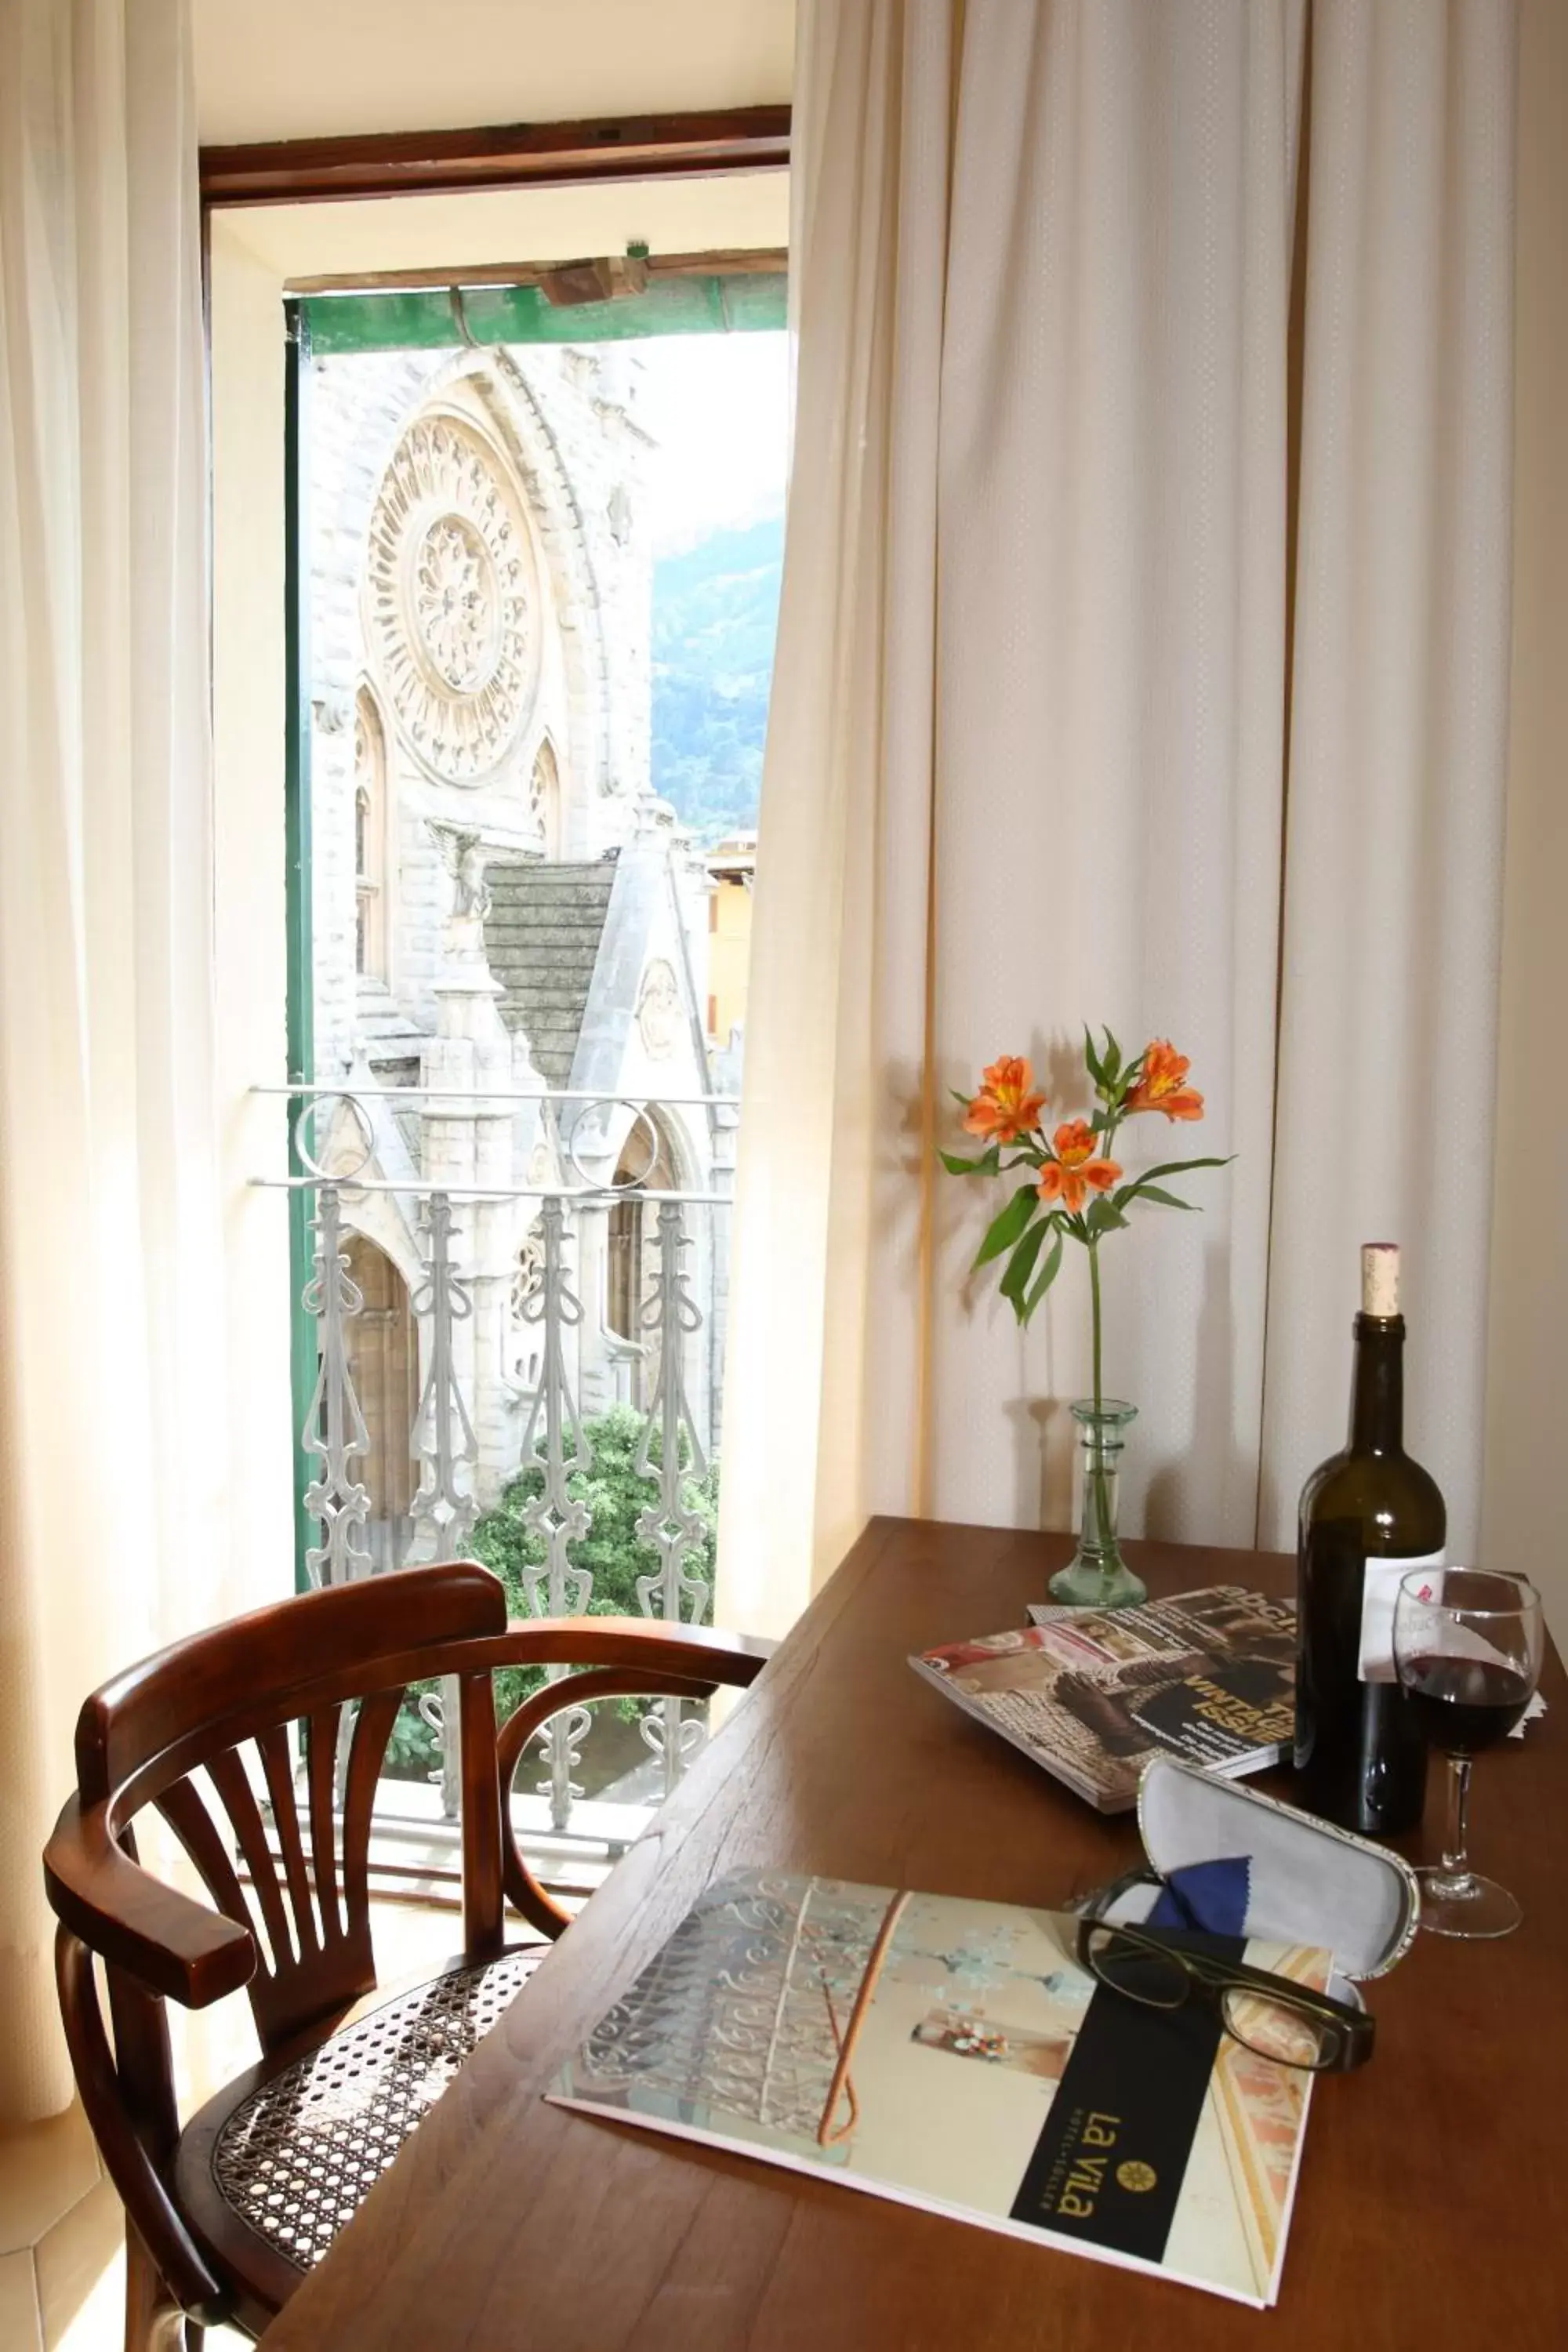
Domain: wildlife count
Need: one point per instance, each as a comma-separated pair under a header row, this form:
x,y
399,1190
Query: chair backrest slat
x,y
228,1776
272,1746
185,1811
378,1715
321,1769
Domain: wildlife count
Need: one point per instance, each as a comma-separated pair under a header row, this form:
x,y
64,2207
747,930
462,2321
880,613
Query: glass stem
x,y
1457,1845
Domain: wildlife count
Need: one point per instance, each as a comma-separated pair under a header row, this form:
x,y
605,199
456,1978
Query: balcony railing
x,y
497,1303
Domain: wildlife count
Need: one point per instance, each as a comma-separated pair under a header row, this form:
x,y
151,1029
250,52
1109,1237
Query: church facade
x,y
509,932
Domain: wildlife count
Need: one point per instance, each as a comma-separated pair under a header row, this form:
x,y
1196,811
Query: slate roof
x,y
541,937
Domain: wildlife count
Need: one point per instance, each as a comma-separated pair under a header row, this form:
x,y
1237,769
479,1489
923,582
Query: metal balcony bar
x,y
476,1284
470,1097
597,1195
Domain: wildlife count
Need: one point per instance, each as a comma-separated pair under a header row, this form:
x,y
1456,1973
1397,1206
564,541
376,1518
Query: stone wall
x,y
480,628
481,587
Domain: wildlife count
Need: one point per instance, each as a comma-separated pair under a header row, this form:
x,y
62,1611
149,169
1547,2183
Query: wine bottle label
x,y
1380,1591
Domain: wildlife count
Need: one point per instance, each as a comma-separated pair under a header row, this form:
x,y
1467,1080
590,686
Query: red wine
x,y
1463,1705
1368,1514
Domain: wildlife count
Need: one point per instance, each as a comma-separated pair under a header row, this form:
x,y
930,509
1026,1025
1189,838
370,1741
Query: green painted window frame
x,y
299,900
324,325
443,319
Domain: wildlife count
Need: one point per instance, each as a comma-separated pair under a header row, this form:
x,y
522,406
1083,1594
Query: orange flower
x,y
1075,1172
1005,1108
1162,1085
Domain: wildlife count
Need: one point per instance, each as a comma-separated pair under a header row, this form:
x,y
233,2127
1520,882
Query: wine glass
x,y
1466,1645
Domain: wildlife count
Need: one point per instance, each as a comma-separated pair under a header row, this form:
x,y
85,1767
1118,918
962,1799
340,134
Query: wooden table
x,y
1431,2210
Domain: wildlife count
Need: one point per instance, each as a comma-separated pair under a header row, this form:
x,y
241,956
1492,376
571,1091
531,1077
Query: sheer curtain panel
x,y
1142,659
111,1536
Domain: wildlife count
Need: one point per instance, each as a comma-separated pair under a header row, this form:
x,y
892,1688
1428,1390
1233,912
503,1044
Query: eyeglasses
x,y
1267,2014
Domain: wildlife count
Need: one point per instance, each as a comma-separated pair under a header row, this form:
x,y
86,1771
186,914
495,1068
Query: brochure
x,y
1091,1694
953,2054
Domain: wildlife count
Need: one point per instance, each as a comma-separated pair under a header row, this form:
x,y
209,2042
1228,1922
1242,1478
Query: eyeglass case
x,y
1310,1883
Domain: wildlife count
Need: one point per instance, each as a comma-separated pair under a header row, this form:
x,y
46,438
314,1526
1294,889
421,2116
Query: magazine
x,y
954,2055
1093,1694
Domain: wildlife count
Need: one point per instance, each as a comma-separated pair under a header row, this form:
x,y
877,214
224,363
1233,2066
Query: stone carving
x,y
455,602
464,856
658,1011
451,599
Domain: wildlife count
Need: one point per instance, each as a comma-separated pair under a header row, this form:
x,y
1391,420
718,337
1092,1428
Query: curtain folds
x,y
112,1474
1142,659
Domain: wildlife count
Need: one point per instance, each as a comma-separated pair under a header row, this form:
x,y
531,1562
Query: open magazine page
x,y
954,2055
1093,1694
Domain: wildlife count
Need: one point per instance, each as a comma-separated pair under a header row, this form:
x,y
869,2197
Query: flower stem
x,y
1094,1311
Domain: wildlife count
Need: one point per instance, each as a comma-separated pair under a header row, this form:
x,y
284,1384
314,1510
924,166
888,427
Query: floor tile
x,y
19,2327
72,2261
97,2325
45,2169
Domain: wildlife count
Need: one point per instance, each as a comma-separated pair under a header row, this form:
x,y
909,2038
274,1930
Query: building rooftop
x,y
541,937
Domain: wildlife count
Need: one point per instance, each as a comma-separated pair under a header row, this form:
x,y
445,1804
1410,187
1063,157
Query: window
x,y
545,801
647,1165
370,841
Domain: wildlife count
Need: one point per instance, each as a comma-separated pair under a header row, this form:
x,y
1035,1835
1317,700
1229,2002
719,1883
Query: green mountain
x,y
715,615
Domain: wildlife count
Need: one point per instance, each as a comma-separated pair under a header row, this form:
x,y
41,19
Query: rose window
x,y
451,599
455,602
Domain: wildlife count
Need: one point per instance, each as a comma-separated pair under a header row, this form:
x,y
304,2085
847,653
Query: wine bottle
x,y
1368,1517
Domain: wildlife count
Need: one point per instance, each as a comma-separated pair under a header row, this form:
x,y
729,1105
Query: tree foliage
x,y
612,1552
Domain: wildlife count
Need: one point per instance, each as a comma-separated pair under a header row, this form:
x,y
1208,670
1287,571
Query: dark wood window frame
x,y
505,155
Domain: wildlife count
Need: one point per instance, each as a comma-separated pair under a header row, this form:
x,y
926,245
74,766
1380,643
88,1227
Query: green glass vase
x,y
1096,1576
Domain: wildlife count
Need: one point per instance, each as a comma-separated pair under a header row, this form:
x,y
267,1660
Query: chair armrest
x,y
696,1653
169,1943
620,1658
148,2205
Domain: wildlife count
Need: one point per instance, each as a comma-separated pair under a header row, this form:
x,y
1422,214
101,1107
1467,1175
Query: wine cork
x,y
1379,1278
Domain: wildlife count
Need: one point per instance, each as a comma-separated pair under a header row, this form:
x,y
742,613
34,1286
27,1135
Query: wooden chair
x,y
223,2217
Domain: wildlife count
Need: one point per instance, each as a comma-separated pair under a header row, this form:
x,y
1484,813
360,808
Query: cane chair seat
x,y
294,2158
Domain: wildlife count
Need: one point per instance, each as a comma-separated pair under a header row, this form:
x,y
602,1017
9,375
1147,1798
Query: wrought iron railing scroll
x,y
536,1292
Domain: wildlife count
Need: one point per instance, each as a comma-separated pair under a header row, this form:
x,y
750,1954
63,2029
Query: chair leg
x,y
153,2320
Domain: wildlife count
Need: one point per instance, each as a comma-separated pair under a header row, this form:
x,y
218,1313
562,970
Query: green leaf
x,y
1145,1187
1102,1217
1113,1055
1008,1228
1092,1062
1155,1193
1178,1168
987,1164
1021,1266
1043,1280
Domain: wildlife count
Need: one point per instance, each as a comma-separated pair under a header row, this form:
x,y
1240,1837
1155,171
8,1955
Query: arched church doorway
x,y
647,1165
384,1365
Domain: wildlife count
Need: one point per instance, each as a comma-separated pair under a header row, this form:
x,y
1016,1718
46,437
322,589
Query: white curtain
x,y
112,1474
1141,660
